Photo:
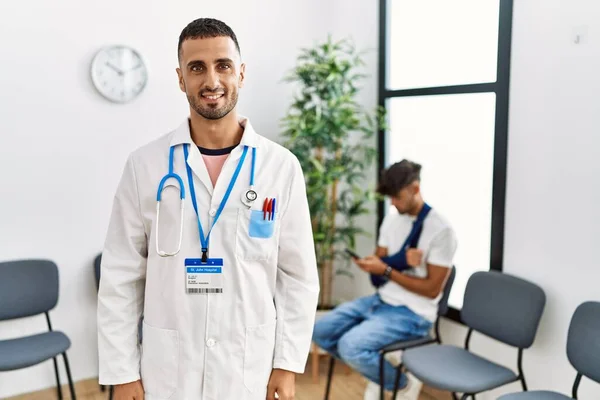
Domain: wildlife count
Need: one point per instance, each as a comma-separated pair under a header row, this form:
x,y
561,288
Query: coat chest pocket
x,y
256,236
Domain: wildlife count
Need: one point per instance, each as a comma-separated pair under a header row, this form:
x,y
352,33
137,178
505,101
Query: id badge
x,y
204,277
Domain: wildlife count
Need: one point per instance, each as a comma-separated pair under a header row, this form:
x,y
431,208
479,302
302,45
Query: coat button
x,y
213,212
210,342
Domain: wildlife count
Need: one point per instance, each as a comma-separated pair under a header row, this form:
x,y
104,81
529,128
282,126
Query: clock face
x,y
119,73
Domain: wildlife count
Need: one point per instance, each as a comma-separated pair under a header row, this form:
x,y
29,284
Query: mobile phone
x,y
352,254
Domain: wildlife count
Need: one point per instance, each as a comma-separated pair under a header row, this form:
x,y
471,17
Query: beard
x,y
406,208
213,111
401,211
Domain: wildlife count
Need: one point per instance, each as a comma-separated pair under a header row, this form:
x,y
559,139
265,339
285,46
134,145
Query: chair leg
x,y
71,387
381,377
111,392
454,396
523,383
102,388
58,389
397,381
329,377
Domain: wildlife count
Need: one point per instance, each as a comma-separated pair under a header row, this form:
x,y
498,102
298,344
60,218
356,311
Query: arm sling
x,y
398,261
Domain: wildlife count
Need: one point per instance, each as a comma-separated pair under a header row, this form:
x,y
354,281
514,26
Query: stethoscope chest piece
x,y
248,197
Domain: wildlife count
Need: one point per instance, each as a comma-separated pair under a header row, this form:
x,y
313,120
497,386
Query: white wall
x,y
58,148
552,223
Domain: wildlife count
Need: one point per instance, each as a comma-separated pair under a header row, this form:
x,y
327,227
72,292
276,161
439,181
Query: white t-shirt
x,y
438,243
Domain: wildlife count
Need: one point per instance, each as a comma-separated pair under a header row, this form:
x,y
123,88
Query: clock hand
x,y
114,68
134,68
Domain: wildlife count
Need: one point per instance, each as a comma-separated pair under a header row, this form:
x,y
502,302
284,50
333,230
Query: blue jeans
x,y
355,332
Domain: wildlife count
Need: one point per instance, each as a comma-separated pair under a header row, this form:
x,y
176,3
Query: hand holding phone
x,y
353,254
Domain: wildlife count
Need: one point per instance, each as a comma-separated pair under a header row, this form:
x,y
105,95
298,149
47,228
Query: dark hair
x,y
398,176
203,28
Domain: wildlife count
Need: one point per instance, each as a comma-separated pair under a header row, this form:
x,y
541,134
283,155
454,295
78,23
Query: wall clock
x,y
119,73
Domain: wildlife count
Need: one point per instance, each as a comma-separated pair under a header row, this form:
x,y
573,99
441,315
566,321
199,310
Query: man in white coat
x,y
228,284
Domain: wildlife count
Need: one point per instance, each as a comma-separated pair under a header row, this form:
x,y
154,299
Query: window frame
x,y
500,88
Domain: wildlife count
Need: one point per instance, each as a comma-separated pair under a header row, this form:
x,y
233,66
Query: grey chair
x,y
97,263
404,344
583,352
498,305
29,288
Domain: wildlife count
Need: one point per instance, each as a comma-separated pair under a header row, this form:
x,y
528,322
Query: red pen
x,y
265,208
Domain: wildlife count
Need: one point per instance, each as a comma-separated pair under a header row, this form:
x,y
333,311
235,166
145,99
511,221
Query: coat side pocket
x,y
258,356
160,361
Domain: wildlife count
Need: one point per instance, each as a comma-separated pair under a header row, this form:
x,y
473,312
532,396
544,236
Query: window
x,y
444,79
440,43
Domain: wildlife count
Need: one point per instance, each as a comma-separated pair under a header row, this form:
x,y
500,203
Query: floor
x,y
346,385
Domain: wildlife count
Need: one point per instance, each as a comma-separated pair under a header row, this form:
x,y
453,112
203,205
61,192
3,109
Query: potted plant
x,y
331,134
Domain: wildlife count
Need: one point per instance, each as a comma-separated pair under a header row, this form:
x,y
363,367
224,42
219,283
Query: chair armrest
x,y
407,344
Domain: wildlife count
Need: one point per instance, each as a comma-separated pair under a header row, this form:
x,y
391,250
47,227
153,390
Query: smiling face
x,y
211,73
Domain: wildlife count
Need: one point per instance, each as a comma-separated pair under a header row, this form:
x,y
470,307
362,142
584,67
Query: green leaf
x,y
343,272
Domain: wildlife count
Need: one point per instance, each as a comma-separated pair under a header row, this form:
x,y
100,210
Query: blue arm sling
x,y
398,261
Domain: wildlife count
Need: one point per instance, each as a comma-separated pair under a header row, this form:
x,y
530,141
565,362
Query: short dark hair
x,y
203,28
398,176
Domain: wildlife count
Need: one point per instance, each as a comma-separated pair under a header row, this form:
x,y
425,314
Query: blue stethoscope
x,y
248,197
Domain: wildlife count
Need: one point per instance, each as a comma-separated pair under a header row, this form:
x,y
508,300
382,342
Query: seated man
x,y
418,246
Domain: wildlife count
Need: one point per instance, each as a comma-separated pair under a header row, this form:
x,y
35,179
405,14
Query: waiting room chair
x,y
29,288
97,263
405,344
583,352
498,305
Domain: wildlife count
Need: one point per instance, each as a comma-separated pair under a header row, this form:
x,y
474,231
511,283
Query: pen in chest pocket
x,y
268,209
273,210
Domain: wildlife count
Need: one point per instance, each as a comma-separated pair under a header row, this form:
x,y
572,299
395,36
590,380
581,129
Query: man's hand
x,y
414,257
283,383
129,391
372,265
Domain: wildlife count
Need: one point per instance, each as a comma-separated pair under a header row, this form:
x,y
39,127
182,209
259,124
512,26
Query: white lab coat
x,y
198,346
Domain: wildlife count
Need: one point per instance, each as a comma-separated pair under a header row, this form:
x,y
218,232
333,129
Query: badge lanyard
x,y
204,240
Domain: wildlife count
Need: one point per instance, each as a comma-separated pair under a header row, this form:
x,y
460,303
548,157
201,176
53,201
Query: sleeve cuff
x,y
440,263
289,366
110,380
